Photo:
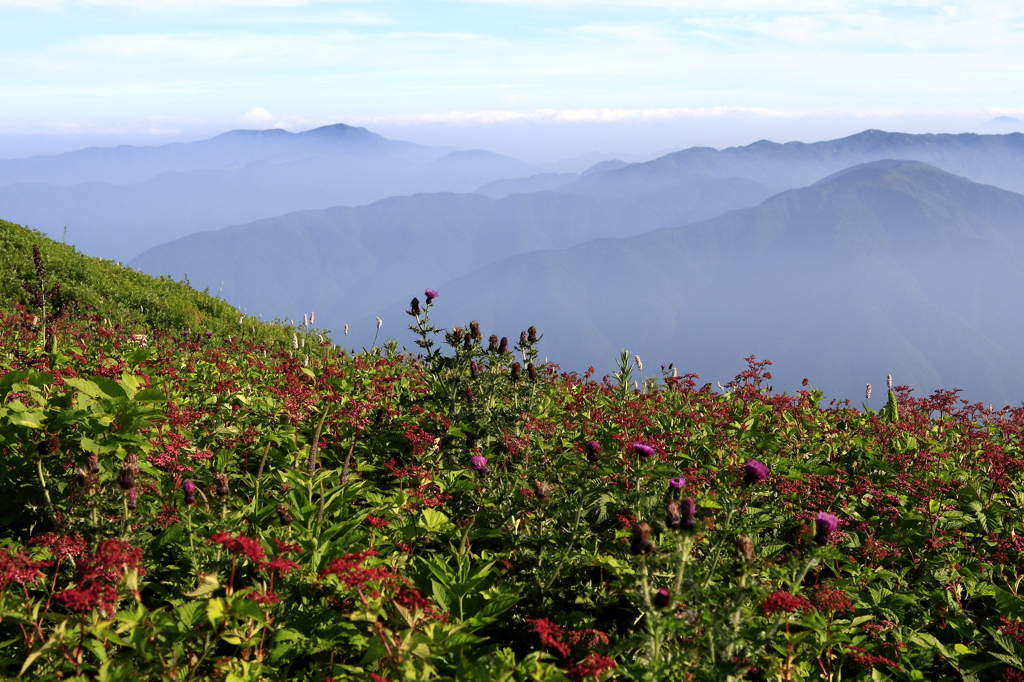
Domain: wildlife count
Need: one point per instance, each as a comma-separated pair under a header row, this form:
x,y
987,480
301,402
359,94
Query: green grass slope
x,y
121,294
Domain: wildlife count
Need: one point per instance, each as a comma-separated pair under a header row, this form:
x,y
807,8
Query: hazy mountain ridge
x,y
124,200
991,159
891,267
399,242
127,164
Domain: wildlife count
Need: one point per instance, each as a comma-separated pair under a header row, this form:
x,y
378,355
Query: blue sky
x,y
163,69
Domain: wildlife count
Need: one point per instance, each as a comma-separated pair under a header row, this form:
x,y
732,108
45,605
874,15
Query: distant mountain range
x,y
117,202
888,267
841,261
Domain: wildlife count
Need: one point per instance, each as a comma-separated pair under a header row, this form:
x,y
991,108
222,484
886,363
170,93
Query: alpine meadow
x,y
511,341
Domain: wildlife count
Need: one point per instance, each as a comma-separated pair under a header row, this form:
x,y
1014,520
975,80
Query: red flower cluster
x,y
784,602
18,568
591,666
98,574
350,571
868,660
830,599
377,522
248,547
550,635
61,546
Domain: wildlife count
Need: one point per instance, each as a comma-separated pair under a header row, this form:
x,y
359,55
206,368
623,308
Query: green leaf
x,y
150,395
210,584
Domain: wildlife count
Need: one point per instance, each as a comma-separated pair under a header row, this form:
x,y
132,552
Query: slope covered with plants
x,y
120,295
216,507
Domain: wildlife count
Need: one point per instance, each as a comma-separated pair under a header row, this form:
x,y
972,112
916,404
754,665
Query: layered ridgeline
x,y
167,192
889,267
119,201
348,262
116,294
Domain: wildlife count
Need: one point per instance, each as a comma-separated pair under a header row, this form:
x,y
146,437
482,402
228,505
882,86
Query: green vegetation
x,y
192,507
117,293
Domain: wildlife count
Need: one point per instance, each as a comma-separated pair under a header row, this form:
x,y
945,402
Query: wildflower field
x,y
212,500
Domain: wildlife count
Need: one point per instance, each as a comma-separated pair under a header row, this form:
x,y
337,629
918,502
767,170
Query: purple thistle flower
x,y
687,508
593,449
662,598
755,472
676,484
431,295
478,463
189,488
132,495
643,450
824,524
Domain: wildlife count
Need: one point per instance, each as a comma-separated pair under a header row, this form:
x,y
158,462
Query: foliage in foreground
x,y
185,507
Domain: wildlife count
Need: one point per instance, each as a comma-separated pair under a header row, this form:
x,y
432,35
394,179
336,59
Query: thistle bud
x,y
474,370
517,371
474,329
542,489
470,396
222,484
662,598
687,508
644,451
131,496
129,470
522,338
478,463
593,450
824,525
50,445
189,488
672,519
531,372
675,485
745,547
283,516
126,479
754,471
82,479
531,335
414,307
503,346
467,341
492,343
641,543
93,463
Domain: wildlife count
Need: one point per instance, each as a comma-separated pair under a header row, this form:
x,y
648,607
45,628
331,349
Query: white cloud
x,y
257,115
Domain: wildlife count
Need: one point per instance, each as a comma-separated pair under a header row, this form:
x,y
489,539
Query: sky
x,y
535,79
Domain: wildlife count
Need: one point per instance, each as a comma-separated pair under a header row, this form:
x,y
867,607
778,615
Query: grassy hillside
x,y
115,292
